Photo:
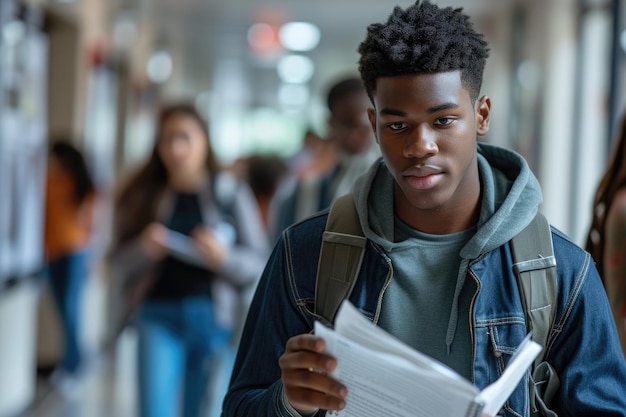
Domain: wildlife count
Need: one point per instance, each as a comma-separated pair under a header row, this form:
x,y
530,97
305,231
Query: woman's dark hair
x,y
135,205
614,178
72,161
423,38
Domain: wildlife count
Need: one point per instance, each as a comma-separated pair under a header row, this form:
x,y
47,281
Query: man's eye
x,y
396,126
445,121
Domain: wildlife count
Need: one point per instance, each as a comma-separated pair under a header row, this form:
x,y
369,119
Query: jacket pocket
x,y
502,342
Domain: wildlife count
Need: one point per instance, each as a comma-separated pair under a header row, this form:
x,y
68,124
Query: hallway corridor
x,y
108,389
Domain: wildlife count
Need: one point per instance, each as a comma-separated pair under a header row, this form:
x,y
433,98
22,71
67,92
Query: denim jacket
x,y
582,347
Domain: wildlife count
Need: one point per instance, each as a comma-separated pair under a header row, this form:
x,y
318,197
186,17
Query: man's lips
x,y
423,177
422,171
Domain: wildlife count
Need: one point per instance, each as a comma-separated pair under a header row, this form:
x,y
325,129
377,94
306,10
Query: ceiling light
x,y
159,67
263,39
299,36
293,95
295,69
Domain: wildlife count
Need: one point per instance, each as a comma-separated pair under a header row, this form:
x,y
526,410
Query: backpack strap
x,y
535,268
343,247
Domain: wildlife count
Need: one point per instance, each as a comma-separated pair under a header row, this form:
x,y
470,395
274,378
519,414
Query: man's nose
x,y
420,143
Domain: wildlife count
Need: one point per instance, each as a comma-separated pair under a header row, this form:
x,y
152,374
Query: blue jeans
x,y
67,277
178,341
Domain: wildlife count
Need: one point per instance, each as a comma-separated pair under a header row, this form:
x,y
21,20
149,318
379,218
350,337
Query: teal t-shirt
x,y
417,304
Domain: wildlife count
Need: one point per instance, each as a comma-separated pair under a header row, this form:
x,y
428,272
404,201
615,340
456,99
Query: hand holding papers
x,y
182,247
387,377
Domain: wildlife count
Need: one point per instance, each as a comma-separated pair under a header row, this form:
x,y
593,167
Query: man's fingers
x,y
306,342
305,351
309,389
305,375
320,381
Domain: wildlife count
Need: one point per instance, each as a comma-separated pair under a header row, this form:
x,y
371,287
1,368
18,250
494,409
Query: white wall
x,y
589,159
18,308
557,131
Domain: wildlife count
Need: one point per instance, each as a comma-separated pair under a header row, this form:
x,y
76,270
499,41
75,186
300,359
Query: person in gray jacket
x,y
188,240
349,129
438,211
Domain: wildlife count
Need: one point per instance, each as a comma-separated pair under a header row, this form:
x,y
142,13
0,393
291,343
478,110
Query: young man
x,y
439,212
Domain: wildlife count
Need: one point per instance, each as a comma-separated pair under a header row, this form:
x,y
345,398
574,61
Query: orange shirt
x,y
67,224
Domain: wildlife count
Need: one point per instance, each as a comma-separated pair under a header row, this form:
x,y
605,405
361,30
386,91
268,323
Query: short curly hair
x,y
423,38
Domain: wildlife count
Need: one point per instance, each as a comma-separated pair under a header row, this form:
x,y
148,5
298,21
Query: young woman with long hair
x,y
187,239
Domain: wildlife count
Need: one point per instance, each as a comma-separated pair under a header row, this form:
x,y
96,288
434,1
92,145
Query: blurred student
x,y
606,240
264,174
68,229
349,128
187,238
316,157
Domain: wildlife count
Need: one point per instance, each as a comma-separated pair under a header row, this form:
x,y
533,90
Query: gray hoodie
x,y
510,199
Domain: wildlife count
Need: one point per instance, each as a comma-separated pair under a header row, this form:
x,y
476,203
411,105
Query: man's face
x,y
426,126
349,124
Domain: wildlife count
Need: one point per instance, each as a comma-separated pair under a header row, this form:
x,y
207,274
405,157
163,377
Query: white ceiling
x,y
206,35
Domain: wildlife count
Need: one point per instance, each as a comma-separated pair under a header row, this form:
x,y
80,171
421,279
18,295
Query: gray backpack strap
x,y
535,267
536,273
343,246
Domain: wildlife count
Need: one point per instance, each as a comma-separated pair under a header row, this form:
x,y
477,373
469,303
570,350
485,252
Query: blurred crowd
x,y
190,237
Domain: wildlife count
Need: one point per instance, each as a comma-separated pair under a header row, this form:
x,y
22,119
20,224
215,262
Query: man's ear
x,y
371,115
483,114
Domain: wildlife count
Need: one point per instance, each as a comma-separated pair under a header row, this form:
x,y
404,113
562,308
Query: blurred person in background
x,y
606,240
315,158
264,174
187,238
69,208
349,129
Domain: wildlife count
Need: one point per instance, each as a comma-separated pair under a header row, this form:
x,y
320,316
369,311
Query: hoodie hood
x,y
511,196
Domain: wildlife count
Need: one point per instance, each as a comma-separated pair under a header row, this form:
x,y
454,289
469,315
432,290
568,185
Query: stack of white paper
x,y
386,377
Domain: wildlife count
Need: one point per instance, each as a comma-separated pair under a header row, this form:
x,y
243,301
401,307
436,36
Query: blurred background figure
x,y
316,157
187,240
351,133
69,207
607,236
264,174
